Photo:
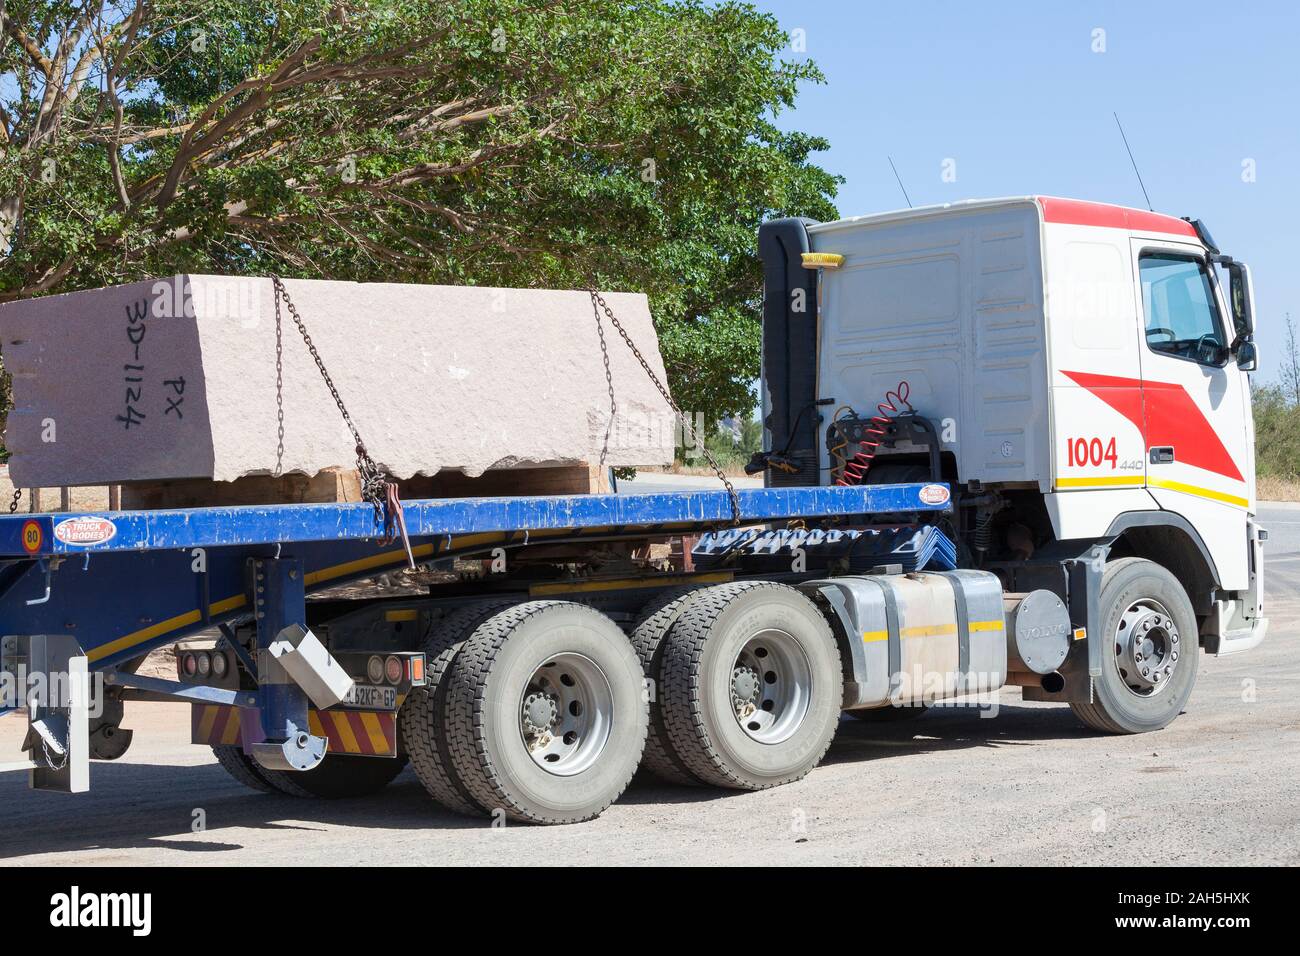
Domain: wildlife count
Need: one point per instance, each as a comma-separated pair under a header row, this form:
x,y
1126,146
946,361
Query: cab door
x,y
1195,401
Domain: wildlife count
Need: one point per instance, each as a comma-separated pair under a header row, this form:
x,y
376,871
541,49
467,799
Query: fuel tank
x,y
918,637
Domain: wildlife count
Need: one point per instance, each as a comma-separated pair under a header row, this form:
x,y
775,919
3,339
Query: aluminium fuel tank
x,y
919,637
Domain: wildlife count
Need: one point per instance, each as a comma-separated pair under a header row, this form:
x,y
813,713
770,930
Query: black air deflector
x,y
790,347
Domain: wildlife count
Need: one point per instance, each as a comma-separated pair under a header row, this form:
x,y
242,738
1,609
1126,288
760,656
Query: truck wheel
x,y
242,767
751,685
337,777
422,718
1152,655
647,639
546,717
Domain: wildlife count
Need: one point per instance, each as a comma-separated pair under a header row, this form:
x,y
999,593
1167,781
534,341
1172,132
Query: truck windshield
x,y
1181,312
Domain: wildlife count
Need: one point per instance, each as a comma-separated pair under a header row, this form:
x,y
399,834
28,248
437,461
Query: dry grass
x,y
677,468
1273,488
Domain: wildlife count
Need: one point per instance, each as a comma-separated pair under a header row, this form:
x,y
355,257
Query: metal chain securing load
x,y
599,305
377,486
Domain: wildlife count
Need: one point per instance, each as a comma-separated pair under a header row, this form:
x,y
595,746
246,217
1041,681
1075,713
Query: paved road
x,y
1219,786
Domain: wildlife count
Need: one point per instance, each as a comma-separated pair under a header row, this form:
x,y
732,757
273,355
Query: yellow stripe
x,y
314,724
628,584
163,627
929,630
1199,492
933,630
409,614
378,742
205,723
344,728
1109,481
364,564
231,736
1128,482
315,577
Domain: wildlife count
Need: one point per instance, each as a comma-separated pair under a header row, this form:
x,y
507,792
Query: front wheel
x,y
1151,652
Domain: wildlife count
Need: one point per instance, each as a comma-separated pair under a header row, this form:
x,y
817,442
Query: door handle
x,y
1162,454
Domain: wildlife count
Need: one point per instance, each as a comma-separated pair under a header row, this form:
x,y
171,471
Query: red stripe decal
x,y
389,723
1165,415
219,725
359,732
1079,213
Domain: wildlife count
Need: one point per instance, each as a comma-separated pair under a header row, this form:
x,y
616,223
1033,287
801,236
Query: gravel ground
x,y
1220,786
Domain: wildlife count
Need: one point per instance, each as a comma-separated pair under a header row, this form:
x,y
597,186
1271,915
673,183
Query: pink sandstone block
x,y
177,379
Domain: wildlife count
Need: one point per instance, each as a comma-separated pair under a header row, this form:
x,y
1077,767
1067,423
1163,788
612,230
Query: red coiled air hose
x,y
856,468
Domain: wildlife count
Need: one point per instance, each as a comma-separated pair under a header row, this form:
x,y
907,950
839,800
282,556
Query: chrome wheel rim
x,y
1147,647
566,714
770,687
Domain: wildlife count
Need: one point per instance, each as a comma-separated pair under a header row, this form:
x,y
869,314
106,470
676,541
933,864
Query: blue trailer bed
x,y
123,583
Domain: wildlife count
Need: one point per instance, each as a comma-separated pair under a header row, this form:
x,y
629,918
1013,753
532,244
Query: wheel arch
x,y
1170,541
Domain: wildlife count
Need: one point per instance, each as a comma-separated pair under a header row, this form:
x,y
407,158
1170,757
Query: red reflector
x,y
417,668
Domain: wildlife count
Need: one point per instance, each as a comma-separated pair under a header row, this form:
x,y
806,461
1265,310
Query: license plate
x,y
372,697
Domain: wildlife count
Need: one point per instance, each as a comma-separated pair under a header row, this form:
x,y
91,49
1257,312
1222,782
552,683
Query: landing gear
x,y
1152,654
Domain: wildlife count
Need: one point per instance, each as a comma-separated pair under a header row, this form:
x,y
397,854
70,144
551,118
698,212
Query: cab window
x,y
1182,315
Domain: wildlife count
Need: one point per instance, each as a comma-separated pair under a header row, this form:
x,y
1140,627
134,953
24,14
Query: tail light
x,y
189,665
393,670
219,664
416,665
375,669
204,664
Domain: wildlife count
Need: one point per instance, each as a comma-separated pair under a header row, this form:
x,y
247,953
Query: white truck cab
x,y
1082,370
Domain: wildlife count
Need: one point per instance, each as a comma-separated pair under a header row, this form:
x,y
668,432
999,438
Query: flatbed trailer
x,y
98,591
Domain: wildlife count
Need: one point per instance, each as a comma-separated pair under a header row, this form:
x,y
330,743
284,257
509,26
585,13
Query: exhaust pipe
x,y
1051,682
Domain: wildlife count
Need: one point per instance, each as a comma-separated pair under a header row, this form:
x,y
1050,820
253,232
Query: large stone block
x,y
178,379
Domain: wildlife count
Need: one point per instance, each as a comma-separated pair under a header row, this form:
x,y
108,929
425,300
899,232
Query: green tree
x,y
1277,432
501,142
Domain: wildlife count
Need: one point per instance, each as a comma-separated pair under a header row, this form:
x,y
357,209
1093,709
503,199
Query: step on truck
x,y
1008,442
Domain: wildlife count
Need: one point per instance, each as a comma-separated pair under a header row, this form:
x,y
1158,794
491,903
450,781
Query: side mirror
x,y
1241,299
1247,356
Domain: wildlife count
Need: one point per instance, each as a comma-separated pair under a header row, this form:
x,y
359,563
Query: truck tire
x,y
422,718
1153,652
752,685
647,639
546,715
337,777
242,767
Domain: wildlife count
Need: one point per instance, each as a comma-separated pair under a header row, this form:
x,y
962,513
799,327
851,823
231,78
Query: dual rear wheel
x,y
541,711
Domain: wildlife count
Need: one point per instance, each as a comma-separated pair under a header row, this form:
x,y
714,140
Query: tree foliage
x,y
496,142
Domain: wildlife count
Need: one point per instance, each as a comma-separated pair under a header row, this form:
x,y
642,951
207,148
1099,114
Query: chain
x,y
13,505
599,303
375,484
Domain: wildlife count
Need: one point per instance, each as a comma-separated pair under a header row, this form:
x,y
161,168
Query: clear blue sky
x,y
1015,95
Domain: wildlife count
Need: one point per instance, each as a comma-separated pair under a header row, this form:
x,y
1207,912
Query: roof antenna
x,y
1150,208
900,181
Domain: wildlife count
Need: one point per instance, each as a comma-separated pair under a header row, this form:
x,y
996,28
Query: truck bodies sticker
x,y
934,494
85,532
